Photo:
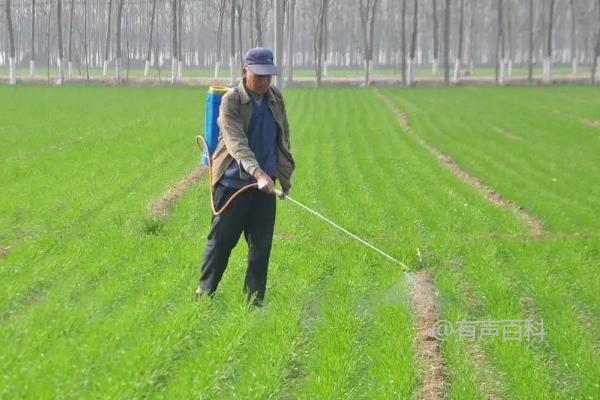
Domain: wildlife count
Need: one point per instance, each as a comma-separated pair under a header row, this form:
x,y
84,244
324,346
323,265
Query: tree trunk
x,y
232,43
324,52
290,41
128,52
372,34
258,23
219,37
436,45
83,38
363,14
70,60
447,43
251,22
367,9
107,44
11,44
500,46
119,58
548,58
470,49
180,39
173,41
531,44
240,14
596,61
413,44
318,40
403,41
32,60
508,40
459,50
61,73
278,42
573,37
149,52
48,43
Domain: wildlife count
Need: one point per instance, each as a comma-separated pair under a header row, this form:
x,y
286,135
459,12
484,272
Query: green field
x,y
355,73
95,298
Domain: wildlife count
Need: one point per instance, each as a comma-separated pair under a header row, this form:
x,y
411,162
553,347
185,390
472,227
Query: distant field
x,y
421,72
95,298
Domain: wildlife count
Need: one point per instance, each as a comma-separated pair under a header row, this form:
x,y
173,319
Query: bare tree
x,y
107,43
436,47
173,41
413,43
127,49
338,41
447,43
149,52
403,41
595,69
70,61
258,22
278,36
459,50
61,72
119,58
180,12
319,39
469,38
232,43
32,60
367,9
251,22
11,43
325,39
219,37
48,42
290,40
240,14
508,54
531,43
548,56
83,39
573,36
500,46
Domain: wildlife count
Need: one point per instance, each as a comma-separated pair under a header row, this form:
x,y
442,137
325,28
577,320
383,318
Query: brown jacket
x,y
233,121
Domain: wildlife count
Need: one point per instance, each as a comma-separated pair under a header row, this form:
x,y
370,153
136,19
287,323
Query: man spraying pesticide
x,y
252,151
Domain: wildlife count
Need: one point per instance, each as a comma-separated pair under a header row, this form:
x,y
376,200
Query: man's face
x,y
257,83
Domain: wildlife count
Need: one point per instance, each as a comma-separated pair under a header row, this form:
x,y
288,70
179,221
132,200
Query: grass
x,y
534,147
96,297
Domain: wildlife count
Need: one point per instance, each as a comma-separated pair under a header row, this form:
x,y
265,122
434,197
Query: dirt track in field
x,y
536,226
424,302
424,297
592,123
159,208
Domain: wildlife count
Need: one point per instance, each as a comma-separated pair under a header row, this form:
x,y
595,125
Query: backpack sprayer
x,y
208,145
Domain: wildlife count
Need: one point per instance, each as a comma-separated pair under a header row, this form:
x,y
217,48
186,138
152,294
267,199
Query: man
x,y
253,147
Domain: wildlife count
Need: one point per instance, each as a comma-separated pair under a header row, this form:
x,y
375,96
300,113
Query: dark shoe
x,y
254,302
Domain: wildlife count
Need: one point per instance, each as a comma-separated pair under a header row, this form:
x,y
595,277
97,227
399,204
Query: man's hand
x,y
265,183
285,190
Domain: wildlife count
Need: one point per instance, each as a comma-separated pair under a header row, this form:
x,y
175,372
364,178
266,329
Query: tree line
x,y
452,37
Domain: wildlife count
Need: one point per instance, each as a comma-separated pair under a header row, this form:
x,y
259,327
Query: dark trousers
x,y
253,212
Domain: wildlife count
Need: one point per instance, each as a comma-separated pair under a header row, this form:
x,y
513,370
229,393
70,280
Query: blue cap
x,y
259,61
